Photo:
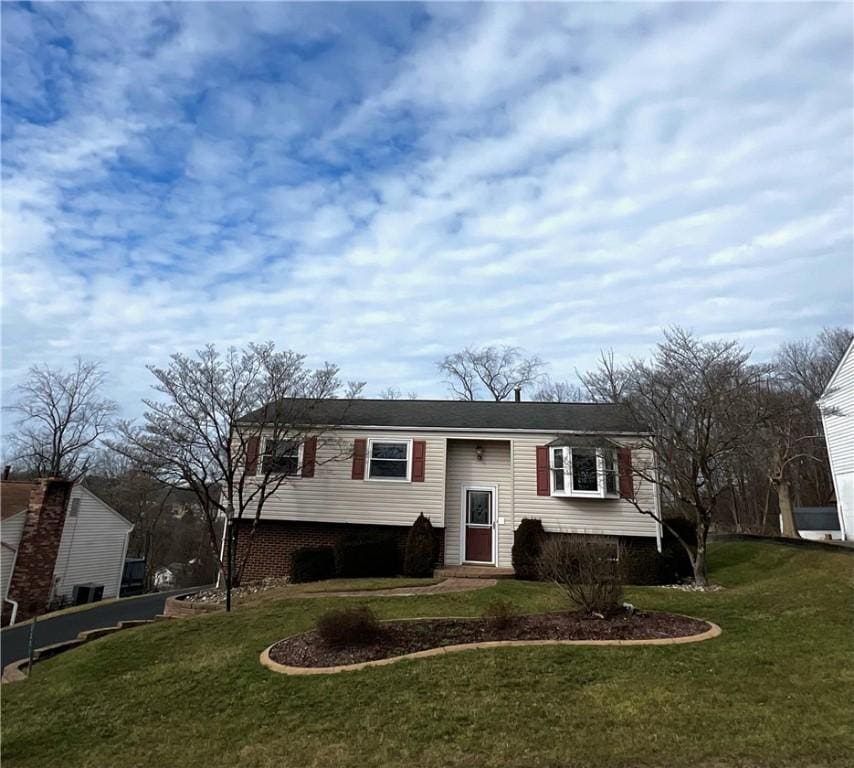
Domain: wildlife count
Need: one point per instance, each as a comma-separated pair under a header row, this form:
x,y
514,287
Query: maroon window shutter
x,y
359,449
624,464
309,454
419,449
543,485
252,455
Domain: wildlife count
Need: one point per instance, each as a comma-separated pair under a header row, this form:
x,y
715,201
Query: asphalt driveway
x,y
14,640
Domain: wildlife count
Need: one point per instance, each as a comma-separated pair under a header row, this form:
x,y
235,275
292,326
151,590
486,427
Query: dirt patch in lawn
x,y
401,638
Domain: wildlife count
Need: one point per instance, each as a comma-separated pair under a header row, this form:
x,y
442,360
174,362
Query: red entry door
x,y
480,515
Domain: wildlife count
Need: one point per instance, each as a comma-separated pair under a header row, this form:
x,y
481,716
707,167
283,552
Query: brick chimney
x,y
34,565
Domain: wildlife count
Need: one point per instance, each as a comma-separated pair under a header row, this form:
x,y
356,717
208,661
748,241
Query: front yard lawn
x,y
774,690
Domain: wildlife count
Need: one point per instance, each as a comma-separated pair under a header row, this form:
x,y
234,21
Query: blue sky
x,y
378,185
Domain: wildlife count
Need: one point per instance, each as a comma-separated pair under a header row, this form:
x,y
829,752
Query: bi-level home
x,y
476,469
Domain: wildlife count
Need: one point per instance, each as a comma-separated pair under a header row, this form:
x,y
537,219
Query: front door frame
x,y
493,489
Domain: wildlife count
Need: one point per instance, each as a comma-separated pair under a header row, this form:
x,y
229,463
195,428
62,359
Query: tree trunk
x,y
787,514
699,563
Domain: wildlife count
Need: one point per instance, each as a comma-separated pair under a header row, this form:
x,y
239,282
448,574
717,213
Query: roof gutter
x,y
490,430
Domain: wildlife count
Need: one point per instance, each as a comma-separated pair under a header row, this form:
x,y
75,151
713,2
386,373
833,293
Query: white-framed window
x,y
584,472
281,457
389,460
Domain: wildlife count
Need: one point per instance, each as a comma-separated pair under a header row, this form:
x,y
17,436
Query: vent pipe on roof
x,y
518,392
6,471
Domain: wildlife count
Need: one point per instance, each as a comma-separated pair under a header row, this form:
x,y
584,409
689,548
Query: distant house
x,y
837,415
819,523
56,536
164,577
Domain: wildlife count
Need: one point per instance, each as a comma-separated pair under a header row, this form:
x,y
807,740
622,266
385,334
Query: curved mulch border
x,y
713,631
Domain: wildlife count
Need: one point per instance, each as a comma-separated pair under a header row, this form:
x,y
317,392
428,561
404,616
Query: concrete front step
x,y
473,572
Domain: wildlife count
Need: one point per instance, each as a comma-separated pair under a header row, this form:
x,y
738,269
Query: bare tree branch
x,y
61,419
494,370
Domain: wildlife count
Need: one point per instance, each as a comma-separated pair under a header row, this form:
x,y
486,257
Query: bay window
x,y
584,472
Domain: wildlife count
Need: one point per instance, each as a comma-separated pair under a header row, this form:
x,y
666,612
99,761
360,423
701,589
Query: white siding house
x,y
837,409
92,547
475,469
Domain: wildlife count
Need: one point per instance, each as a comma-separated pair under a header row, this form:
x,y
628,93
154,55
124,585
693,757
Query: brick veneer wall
x,y
32,578
270,549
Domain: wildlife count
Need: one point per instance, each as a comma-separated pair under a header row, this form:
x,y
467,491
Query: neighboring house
x,y
820,523
177,574
164,577
476,469
837,416
56,535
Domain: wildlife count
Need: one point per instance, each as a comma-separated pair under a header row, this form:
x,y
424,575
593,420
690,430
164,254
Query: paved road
x,y
14,640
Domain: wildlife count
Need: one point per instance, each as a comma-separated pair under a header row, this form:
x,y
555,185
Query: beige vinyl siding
x,y
333,496
92,547
838,419
614,517
464,469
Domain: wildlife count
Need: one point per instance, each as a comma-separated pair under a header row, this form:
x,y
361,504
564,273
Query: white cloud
x,y
377,186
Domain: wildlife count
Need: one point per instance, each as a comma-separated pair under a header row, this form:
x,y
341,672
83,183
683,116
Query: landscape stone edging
x,y
713,631
13,672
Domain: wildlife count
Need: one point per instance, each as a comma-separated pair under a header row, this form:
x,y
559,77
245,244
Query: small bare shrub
x,y
500,614
588,569
350,626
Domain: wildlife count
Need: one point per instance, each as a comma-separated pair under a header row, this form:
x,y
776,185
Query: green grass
x,y
774,690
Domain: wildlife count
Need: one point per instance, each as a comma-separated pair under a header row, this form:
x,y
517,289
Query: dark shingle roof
x,y
461,414
15,496
816,519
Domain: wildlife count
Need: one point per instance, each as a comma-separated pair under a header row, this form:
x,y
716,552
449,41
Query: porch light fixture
x,y
478,450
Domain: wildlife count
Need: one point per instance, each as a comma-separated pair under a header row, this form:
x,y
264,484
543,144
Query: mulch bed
x,y
401,637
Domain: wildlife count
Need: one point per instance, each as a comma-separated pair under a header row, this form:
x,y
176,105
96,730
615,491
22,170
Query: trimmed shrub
x,y
500,614
312,564
420,554
644,566
350,626
527,545
365,555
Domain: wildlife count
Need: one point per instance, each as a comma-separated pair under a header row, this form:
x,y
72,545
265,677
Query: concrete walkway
x,y
443,587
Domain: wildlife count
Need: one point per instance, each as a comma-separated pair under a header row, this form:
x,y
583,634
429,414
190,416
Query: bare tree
x,y
808,364
206,431
551,391
495,370
697,398
61,419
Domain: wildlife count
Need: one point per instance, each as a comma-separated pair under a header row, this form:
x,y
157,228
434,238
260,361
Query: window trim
x,y
259,469
568,491
369,456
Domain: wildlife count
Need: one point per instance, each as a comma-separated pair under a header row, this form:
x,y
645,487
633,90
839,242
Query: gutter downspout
x,y
14,604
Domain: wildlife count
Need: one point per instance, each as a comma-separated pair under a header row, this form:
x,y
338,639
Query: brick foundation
x,y
32,578
270,548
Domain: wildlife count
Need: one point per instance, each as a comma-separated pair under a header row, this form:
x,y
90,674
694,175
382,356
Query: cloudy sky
x,y
378,185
